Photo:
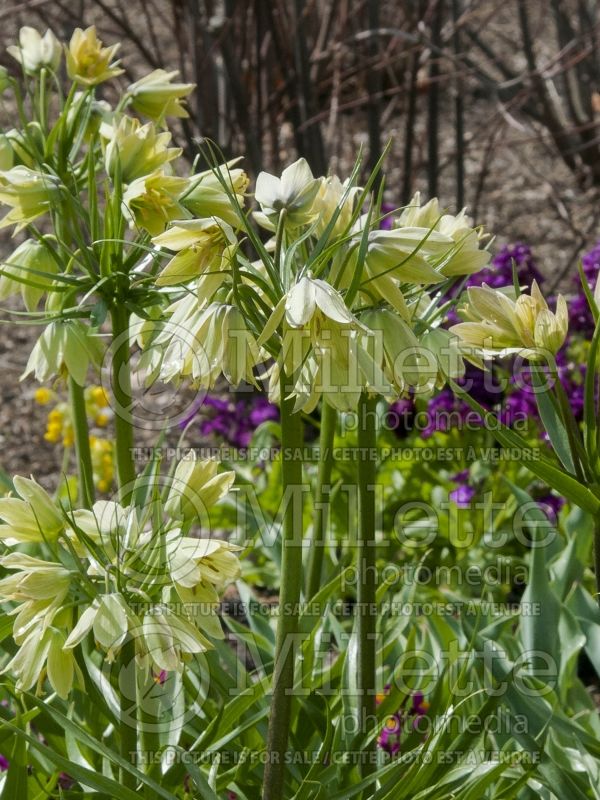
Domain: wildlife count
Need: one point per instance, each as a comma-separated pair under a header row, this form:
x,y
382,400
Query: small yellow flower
x,y
102,420
53,434
88,63
43,396
99,396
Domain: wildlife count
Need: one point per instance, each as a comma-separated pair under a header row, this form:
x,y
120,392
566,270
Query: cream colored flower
x,y
29,194
110,619
334,195
168,640
498,323
203,248
64,347
35,51
18,275
321,353
43,649
139,150
88,63
462,254
293,193
206,196
156,95
199,569
152,202
30,517
196,486
214,341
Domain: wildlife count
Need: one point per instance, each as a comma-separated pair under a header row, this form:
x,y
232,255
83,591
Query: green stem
x,y
81,435
597,557
321,500
148,720
127,696
289,599
366,571
121,386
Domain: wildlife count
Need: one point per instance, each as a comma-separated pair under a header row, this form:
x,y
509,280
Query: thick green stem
x,y
81,435
366,571
128,697
289,599
321,500
121,386
597,557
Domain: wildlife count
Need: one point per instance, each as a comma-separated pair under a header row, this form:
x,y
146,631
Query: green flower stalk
x,y
289,600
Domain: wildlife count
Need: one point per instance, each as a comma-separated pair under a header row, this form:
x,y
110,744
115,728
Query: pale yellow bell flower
x,y
64,347
109,618
445,347
334,195
29,194
38,587
168,640
30,255
206,195
498,323
196,486
152,202
30,517
462,254
321,353
157,97
35,580
139,150
201,246
88,63
210,562
43,649
213,341
395,347
35,51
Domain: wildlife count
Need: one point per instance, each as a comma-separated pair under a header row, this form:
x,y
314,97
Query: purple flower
x,y
388,219
462,496
233,421
3,763
551,504
65,781
580,316
405,719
